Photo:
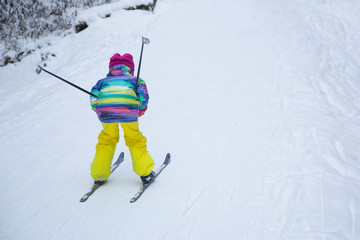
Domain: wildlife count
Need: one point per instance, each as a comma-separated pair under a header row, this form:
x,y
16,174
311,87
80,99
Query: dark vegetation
x,y
28,20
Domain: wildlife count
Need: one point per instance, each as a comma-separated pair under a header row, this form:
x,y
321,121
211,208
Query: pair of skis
x,y
142,189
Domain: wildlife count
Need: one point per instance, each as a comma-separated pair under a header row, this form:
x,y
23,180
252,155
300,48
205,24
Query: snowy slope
x,y
256,101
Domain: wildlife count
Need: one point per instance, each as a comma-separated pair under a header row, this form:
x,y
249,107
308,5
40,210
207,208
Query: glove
x,y
142,111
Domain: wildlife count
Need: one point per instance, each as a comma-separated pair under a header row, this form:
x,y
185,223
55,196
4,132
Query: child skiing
x,y
120,101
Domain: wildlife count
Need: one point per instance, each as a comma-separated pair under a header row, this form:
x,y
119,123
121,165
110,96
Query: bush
x,y
149,7
23,20
80,26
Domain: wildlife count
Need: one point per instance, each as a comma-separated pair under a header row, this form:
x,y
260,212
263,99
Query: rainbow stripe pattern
x,y
117,100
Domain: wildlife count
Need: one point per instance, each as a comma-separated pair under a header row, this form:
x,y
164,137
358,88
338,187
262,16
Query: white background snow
x,y
257,101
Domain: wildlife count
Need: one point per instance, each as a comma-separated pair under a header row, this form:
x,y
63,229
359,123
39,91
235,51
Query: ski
x,y
97,184
145,186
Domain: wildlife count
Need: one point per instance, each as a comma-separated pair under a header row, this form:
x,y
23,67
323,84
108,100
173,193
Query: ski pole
x,y
39,69
144,41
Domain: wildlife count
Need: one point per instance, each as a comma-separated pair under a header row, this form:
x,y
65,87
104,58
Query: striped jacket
x,y
116,98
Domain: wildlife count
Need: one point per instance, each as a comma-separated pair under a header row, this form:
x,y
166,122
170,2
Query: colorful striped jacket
x,y
116,98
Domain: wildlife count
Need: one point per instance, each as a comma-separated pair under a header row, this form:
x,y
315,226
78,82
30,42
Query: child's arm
x,y
143,95
95,90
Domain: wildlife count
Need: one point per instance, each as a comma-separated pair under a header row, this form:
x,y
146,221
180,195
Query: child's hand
x,y
142,111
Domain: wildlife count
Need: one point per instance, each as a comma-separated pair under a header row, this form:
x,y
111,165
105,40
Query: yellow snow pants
x,y
142,162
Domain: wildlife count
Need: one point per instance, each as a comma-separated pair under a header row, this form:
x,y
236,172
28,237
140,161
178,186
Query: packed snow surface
x,y
257,101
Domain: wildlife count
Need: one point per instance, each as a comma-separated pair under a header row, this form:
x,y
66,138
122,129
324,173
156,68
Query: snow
x,y
91,15
257,102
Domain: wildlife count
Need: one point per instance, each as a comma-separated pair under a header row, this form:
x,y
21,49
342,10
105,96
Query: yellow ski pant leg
x,y
105,149
143,164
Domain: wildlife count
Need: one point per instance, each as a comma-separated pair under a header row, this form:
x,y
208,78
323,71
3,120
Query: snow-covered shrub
x,y
148,7
80,26
26,20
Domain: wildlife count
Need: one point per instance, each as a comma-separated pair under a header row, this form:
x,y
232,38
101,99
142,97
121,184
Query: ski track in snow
x,y
325,114
256,101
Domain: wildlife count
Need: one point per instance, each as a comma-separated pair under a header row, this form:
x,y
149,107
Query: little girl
x,y
120,100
